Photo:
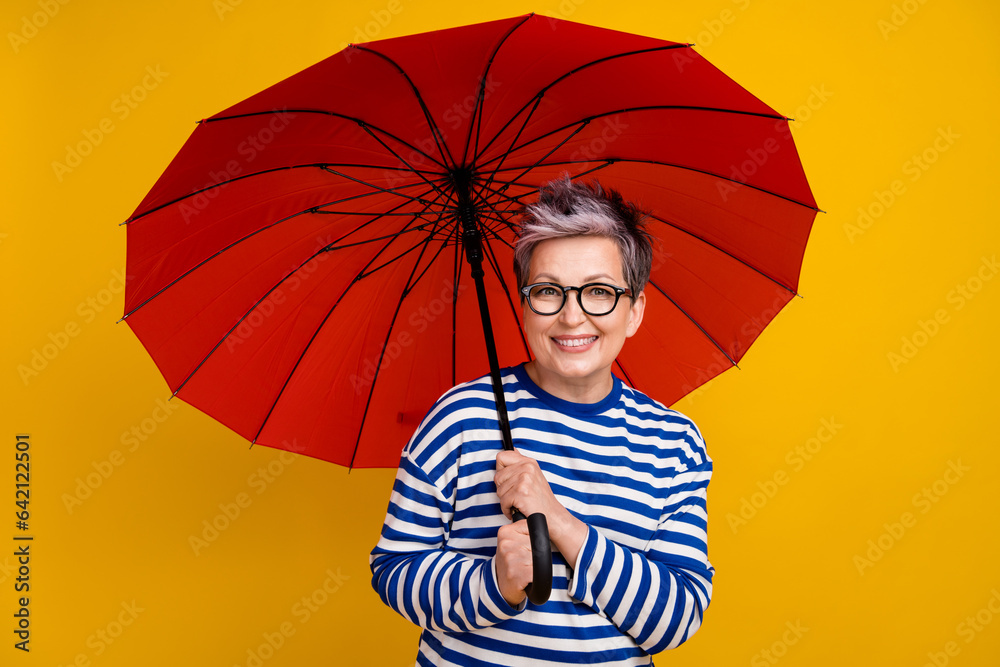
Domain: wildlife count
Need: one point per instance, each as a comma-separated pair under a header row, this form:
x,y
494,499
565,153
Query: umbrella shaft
x,y
473,243
491,351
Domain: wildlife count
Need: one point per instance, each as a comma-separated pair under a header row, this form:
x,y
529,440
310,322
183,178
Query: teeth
x,y
577,342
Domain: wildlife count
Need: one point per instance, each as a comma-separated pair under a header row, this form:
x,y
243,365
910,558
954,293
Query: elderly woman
x,y
621,479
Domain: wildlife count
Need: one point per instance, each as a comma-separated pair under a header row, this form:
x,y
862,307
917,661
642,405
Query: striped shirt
x,y
634,471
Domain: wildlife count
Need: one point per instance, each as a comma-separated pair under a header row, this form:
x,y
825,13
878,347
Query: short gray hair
x,y
571,208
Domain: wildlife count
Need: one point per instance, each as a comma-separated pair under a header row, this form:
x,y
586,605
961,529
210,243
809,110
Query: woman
x,y
621,479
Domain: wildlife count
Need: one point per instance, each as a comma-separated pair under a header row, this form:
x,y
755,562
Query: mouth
x,y
574,342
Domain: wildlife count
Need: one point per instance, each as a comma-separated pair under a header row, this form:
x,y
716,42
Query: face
x,y
573,351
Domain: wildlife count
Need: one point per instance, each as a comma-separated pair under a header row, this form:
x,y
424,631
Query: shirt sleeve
x,y
415,573
657,596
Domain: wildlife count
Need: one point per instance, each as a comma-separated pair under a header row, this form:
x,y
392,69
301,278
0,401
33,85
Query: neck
x,y
590,389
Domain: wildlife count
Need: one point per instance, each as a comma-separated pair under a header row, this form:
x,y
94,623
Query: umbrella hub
x,y
462,179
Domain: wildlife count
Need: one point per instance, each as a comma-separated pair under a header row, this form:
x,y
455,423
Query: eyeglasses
x,y
594,298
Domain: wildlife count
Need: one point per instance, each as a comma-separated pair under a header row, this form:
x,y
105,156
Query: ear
x,y
635,314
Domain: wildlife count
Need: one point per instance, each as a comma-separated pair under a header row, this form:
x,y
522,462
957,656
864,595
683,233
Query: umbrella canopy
x,y
297,271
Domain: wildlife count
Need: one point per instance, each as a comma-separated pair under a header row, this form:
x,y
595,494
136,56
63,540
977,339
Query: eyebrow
x,y
548,277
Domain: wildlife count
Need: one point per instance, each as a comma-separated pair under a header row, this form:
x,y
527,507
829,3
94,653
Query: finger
x,y
510,490
505,470
515,531
511,465
506,503
506,459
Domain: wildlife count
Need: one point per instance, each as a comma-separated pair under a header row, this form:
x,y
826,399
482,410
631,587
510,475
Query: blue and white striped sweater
x,y
636,472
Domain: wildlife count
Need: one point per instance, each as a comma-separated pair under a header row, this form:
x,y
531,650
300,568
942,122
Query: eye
x,y
546,291
600,292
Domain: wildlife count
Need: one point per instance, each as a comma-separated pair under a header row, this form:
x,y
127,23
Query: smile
x,y
574,342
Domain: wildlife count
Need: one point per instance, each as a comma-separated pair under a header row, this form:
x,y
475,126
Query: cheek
x,y
534,328
622,329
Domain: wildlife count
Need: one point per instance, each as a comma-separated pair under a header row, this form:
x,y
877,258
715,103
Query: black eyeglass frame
x,y
619,292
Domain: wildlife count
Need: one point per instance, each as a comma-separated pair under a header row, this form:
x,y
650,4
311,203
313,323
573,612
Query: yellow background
x,y
823,567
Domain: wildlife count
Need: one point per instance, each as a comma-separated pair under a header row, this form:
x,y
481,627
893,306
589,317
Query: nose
x,y
572,314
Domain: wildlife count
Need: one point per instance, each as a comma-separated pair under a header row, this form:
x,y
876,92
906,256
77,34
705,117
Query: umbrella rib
x,y
477,113
500,223
494,265
432,234
513,141
419,228
610,161
493,207
695,236
418,172
411,282
435,131
703,240
393,191
357,121
532,188
541,93
500,219
365,274
542,159
444,244
252,308
501,193
627,377
436,224
390,213
695,322
655,107
728,254
173,282
308,345
263,298
223,183
402,214
457,275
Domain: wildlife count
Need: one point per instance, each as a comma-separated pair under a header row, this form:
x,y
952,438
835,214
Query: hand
x,y
521,484
513,562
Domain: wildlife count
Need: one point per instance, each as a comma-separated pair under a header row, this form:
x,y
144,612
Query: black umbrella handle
x,y
538,529
540,587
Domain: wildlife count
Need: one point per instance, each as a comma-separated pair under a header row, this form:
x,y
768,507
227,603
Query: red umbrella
x,y
297,271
